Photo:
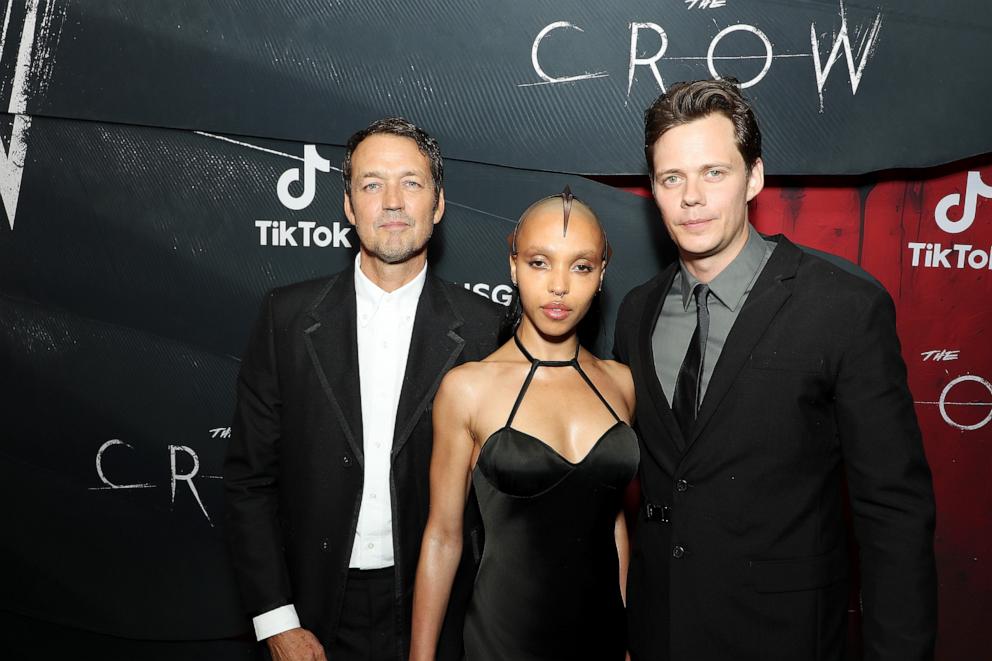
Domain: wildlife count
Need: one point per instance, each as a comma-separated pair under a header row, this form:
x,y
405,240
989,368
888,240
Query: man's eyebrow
x,y
718,164
379,175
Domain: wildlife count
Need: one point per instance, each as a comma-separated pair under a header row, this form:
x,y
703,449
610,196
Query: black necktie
x,y
685,402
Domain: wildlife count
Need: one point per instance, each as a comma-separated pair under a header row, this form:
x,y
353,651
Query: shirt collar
x,y
370,296
733,282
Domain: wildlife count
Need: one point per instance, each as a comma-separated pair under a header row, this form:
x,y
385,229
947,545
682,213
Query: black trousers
x,y
367,630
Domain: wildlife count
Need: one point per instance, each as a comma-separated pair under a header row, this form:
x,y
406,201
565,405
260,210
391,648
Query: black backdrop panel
x,y
827,77
127,289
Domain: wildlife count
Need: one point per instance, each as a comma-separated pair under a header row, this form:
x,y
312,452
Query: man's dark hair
x,y
689,101
405,129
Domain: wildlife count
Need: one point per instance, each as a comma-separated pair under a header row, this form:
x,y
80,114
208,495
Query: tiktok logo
x,y
973,189
957,255
312,161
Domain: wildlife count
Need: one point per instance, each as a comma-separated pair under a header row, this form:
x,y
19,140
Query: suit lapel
x,y
662,407
434,347
772,289
332,343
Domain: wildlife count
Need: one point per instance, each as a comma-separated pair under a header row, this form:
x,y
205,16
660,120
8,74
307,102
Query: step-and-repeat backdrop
x,y
165,163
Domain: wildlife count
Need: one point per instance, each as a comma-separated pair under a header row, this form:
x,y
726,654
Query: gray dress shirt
x,y
677,321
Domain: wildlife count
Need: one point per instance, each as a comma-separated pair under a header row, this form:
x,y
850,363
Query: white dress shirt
x,y
385,326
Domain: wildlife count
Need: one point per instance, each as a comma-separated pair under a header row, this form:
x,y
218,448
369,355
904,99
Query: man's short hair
x,y
405,129
688,101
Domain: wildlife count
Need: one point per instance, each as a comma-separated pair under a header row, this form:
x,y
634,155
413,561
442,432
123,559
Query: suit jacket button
x,y
678,552
681,485
346,460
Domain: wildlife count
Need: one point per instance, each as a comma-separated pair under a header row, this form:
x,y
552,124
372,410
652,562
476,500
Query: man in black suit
x,y
326,474
764,377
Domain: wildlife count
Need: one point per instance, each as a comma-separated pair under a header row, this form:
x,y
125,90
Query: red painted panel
x,y
945,313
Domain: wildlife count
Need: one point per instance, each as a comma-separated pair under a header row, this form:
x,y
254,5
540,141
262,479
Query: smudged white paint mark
x,y
19,91
481,211
248,145
570,80
737,57
13,154
46,43
3,33
12,165
255,147
866,48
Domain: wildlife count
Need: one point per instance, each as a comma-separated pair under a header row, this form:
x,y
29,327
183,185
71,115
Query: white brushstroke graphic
x,y
866,48
33,69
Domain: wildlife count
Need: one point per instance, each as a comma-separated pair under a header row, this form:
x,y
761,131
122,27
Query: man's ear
x,y
755,179
439,207
349,210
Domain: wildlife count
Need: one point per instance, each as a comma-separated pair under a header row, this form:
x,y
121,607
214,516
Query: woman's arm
x,y
441,549
623,551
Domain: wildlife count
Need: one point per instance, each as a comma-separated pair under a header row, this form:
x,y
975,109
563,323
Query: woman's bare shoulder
x,y
616,370
619,376
475,379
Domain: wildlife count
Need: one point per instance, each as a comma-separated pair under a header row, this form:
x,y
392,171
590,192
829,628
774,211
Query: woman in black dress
x,y
540,429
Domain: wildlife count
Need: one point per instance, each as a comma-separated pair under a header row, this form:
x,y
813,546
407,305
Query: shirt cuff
x,y
275,621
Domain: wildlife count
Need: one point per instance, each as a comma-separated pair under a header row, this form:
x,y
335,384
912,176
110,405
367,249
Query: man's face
x,y
702,189
392,198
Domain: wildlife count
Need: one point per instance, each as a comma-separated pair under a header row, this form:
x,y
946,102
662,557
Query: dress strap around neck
x,y
546,363
535,363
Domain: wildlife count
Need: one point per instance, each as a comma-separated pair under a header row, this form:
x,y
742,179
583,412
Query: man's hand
x,y
295,645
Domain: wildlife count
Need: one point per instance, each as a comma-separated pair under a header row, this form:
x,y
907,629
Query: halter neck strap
x,y
547,363
535,363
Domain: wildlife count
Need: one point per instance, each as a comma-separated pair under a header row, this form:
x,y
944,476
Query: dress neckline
x,y
574,362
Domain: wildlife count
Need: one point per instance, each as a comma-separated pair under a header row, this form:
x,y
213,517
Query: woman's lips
x,y
556,311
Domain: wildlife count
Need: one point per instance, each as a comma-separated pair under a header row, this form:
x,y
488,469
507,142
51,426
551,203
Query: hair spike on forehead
x,y
566,202
566,199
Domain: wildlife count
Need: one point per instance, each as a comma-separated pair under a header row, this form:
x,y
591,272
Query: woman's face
x,y
557,275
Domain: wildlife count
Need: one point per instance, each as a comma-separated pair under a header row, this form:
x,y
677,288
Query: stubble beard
x,y
398,249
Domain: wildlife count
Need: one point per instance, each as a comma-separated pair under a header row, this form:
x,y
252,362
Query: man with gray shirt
x,y
764,377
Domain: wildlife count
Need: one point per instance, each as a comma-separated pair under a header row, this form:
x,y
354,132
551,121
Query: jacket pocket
x,y
793,574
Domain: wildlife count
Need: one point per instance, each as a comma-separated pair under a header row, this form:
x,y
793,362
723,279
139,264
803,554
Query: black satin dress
x,y
548,583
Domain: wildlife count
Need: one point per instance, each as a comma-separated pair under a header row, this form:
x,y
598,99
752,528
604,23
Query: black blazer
x,y
744,553
293,473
